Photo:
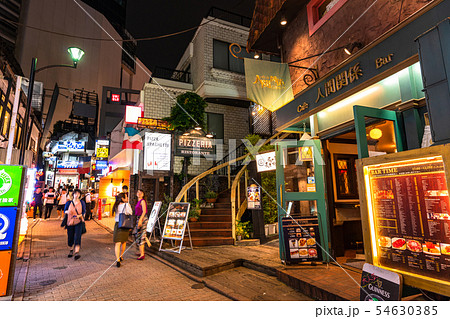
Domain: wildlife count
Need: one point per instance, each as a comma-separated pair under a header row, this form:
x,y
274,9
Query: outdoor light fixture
x,y
209,135
253,113
256,56
198,127
76,54
375,133
283,20
185,133
349,49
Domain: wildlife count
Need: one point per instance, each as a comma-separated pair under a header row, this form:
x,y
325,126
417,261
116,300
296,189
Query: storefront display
x,y
302,239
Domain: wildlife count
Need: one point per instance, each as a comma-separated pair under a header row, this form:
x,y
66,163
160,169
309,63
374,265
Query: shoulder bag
x,y
125,221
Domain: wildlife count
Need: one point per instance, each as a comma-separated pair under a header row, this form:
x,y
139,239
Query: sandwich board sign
x,y
175,226
153,216
378,284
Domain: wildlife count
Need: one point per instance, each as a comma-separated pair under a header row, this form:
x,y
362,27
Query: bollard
x,y
99,209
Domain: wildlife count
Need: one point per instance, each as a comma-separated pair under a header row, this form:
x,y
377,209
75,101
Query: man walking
x,y
37,203
49,202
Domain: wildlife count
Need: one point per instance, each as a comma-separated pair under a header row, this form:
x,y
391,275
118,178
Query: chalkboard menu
x,y
302,239
409,211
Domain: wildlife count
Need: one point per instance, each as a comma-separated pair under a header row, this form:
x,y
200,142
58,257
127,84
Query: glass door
x,y
301,194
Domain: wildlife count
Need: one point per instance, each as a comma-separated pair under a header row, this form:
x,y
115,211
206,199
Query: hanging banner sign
x,y
193,145
378,284
268,83
253,197
157,151
302,239
266,162
102,148
153,216
176,220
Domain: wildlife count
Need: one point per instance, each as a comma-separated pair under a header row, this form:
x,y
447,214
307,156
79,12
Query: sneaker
x,y
118,264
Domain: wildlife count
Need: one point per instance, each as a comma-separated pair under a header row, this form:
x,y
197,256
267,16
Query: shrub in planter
x,y
211,196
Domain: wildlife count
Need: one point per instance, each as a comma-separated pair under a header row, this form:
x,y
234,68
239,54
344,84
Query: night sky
x,y
148,18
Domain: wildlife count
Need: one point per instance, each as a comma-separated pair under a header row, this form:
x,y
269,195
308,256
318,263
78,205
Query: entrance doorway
x,y
341,153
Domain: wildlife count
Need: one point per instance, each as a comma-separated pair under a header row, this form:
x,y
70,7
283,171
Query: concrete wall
x,y
297,43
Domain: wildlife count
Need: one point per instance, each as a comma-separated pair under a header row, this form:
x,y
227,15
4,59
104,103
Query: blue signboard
x,y
67,164
7,226
71,146
101,165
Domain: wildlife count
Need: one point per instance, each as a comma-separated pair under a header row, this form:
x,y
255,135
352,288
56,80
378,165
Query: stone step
x,y
212,241
210,225
215,218
202,233
215,211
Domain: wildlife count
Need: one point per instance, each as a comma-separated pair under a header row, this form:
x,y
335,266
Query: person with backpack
x,y
75,210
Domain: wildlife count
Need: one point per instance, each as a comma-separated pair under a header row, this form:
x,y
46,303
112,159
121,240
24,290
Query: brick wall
x,y
157,101
380,18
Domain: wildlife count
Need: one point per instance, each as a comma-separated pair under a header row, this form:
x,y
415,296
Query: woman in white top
x,y
121,206
49,202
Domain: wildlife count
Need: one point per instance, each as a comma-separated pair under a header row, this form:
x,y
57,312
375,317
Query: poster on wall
x,y
266,162
176,220
409,210
301,239
153,216
157,151
253,197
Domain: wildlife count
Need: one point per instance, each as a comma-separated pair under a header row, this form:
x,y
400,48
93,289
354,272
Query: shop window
x,y
214,122
345,176
319,11
299,169
223,59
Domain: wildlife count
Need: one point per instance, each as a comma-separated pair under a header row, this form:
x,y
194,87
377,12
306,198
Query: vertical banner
x,y
253,197
268,83
11,193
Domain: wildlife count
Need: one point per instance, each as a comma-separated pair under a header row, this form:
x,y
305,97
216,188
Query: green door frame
x,y
361,112
318,195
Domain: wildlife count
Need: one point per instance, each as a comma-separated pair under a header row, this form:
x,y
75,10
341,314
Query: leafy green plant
x,y
194,212
269,204
194,109
254,139
243,229
211,194
165,203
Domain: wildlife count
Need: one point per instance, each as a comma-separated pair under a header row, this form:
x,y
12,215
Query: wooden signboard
x,y
405,211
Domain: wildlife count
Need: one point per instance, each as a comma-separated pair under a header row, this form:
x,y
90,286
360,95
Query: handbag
x,y
73,221
125,221
64,221
83,227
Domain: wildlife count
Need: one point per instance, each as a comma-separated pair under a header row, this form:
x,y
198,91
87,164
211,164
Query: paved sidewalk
x,y
53,276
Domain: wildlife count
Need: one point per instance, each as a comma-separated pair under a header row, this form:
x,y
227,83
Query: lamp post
x,y
76,55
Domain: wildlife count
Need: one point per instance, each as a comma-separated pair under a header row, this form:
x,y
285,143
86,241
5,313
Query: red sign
x,y
68,171
115,97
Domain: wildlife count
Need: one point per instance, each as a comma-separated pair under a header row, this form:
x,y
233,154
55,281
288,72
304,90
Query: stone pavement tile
x,y
53,276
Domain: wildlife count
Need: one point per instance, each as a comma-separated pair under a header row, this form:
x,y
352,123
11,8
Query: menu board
x,y
177,214
410,212
153,217
302,239
253,197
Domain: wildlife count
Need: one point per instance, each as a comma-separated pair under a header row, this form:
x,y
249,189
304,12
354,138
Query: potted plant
x,y
211,196
242,230
194,211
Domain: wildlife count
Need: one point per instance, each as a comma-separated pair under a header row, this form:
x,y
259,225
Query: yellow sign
x,y
383,61
102,152
271,82
154,123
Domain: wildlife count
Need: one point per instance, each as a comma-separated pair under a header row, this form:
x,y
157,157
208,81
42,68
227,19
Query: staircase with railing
x,y
217,225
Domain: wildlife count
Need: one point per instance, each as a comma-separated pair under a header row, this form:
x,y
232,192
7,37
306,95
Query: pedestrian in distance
x,y
62,200
120,237
88,201
38,202
49,202
140,213
75,210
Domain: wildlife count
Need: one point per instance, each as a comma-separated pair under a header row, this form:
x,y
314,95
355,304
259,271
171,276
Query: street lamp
x,y
76,55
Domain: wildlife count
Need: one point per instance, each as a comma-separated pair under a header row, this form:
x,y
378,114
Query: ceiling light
x,y
256,56
375,133
283,20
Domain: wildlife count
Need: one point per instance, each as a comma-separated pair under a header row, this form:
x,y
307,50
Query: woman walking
x,y
121,206
75,210
62,200
140,211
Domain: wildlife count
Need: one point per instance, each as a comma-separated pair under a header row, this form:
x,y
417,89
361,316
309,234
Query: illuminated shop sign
x,y
132,114
102,148
10,182
67,164
99,165
115,97
68,146
191,145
